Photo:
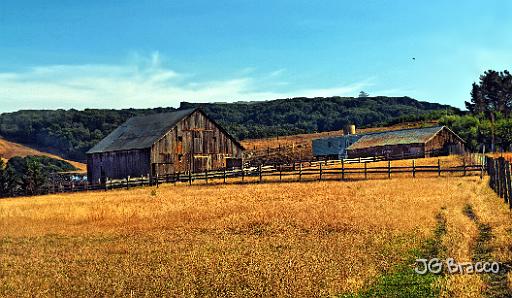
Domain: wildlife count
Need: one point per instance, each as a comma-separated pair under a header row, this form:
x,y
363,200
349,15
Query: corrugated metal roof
x,y
396,137
140,132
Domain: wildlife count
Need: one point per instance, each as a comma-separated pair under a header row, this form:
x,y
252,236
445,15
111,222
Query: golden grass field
x,y
305,239
10,149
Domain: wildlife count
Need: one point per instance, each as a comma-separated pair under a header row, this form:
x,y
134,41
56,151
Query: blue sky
x,y
119,54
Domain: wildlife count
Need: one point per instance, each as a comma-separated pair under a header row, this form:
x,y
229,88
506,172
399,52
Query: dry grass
x,y
290,239
10,149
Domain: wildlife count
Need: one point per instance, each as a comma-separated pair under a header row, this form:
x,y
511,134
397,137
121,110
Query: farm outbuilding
x,y
333,147
396,144
408,143
166,143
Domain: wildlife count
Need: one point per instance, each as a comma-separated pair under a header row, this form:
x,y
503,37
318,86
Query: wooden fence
x,y
500,177
348,169
326,170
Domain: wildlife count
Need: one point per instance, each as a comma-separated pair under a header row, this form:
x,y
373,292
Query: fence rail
x,y
320,171
354,169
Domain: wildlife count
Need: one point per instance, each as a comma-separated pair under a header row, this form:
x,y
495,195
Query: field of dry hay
x,y
288,240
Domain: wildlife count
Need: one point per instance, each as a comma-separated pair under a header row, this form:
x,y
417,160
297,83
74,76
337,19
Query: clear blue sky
x,y
109,54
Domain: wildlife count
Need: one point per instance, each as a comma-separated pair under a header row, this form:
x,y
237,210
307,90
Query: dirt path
x,y
496,284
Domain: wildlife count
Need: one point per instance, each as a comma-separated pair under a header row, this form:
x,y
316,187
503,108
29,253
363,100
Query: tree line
x,y
70,133
488,122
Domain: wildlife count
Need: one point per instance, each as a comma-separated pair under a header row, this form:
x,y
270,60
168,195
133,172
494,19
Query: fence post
x,y
106,183
503,179
259,170
280,172
481,169
224,175
189,177
343,169
509,183
438,167
206,175
490,165
243,173
320,172
127,182
365,170
509,186
300,171
464,166
499,178
496,176
389,169
414,168
157,179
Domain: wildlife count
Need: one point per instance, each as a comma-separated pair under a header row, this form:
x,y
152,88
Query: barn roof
x,y
140,132
399,137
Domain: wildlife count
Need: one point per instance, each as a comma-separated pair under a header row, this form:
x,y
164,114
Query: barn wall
x,y
444,143
196,144
394,151
118,165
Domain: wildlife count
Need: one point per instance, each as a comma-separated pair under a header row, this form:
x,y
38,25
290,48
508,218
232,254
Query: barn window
x,y
180,138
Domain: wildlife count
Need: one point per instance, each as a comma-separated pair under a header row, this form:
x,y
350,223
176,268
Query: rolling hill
x,y
10,149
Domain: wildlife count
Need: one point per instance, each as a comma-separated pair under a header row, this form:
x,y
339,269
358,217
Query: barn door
x,y
201,163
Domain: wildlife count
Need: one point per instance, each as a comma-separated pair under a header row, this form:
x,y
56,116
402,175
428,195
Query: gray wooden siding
x,y
196,144
118,164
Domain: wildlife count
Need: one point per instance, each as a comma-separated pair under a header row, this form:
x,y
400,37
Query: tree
x,y
363,94
8,180
491,98
34,178
492,95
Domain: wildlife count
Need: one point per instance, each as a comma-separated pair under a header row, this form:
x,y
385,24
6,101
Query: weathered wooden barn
x,y
408,143
167,143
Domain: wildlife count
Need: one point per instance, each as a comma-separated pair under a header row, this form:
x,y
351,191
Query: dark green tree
x,y
34,178
9,183
363,94
491,99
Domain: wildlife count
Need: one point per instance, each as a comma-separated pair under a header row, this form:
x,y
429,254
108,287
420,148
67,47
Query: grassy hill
x,y
70,133
9,150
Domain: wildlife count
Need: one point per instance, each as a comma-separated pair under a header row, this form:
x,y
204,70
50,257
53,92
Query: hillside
x,y
9,150
70,133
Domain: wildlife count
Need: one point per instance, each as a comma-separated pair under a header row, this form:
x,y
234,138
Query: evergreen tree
x,y
33,178
8,180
